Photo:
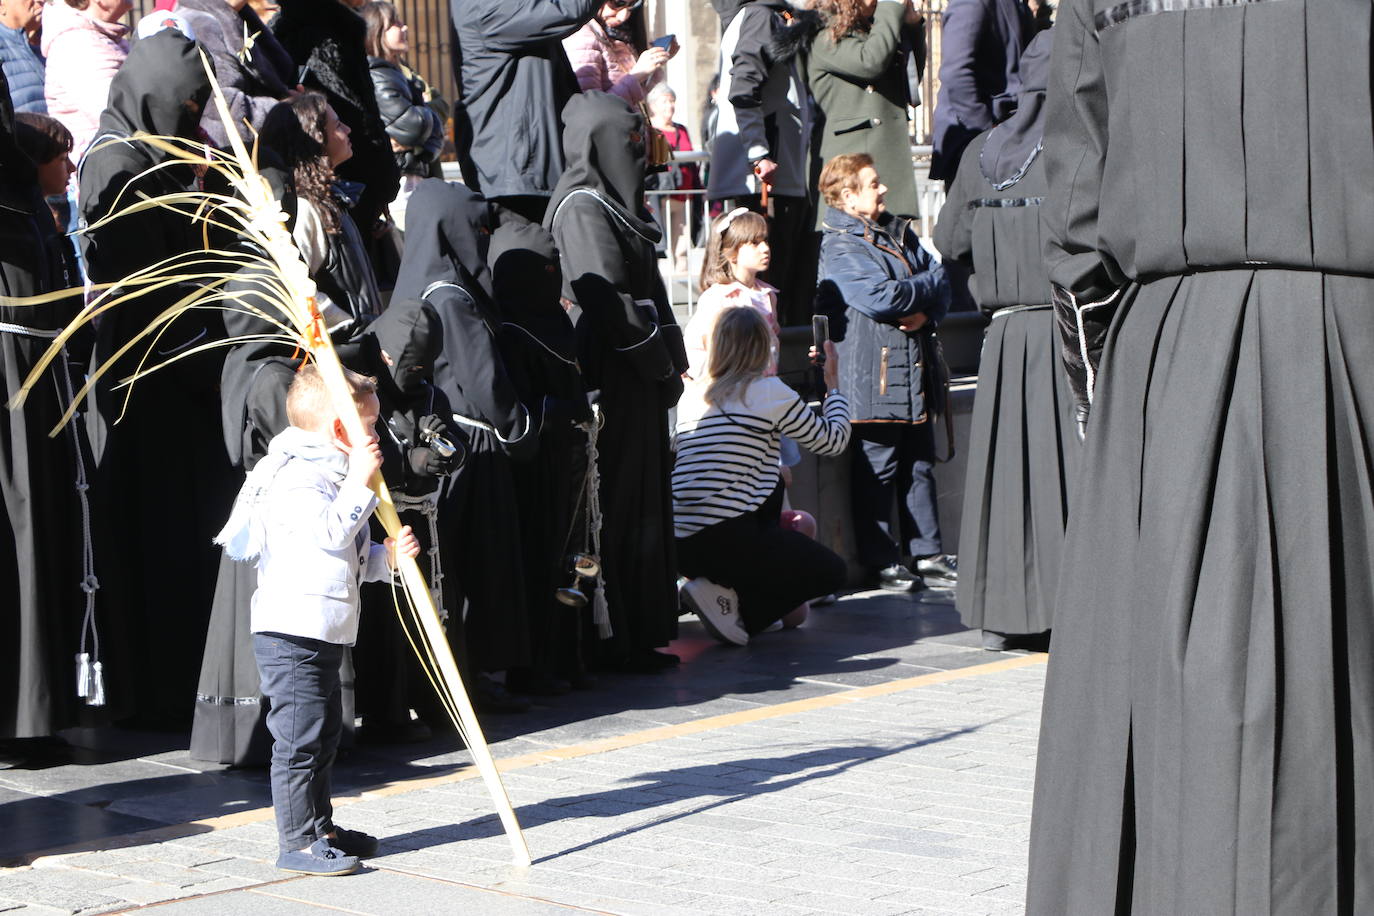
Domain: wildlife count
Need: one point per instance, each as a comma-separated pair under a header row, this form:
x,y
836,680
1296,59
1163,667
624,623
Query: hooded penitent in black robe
x,y
390,682
165,482
42,605
540,349
1208,735
631,351
445,264
1023,444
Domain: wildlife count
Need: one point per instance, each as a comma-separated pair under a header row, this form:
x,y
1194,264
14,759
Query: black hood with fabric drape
x,y
448,232
1013,145
410,334
151,90
604,144
528,281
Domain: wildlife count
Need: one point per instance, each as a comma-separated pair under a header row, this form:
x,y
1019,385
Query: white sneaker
x,y
718,609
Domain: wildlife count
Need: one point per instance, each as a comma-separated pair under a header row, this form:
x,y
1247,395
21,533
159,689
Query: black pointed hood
x,y
448,232
604,145
410,333
526,276
1012,146
152,88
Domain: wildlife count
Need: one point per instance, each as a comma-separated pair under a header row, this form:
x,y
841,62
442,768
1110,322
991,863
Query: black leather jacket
x,y
408,119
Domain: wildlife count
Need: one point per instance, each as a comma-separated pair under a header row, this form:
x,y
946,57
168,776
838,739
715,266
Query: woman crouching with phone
x,y
745,571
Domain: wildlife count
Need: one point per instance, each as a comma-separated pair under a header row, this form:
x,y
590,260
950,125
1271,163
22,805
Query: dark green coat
x,y
861,88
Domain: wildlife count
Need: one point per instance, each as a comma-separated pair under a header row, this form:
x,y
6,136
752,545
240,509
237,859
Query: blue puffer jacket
x,y
872,276
23,70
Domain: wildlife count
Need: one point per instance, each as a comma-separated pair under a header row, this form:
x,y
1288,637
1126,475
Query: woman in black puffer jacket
x,y
411,112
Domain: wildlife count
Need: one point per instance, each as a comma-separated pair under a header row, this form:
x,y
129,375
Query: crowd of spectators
x,y
530,298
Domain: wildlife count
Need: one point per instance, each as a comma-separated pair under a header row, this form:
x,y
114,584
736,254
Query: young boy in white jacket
x,y
303,514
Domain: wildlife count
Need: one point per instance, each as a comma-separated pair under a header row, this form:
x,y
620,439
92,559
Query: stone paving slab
x,y
795,776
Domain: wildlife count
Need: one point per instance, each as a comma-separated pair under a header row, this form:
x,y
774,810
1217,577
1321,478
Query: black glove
x,y
430,458
1083,330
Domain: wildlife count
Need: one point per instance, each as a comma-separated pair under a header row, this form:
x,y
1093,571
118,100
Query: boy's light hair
x,y
308,404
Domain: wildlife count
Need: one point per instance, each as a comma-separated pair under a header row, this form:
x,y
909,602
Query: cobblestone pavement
x,y
894,788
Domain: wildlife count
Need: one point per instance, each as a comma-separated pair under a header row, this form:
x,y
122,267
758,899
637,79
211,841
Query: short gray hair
x,y
659,91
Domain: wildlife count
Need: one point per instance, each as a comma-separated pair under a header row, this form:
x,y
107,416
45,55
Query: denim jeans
x,y
300,678
894,460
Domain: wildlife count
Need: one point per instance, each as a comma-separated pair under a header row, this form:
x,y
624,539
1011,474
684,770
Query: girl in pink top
x,y
736,254
603,58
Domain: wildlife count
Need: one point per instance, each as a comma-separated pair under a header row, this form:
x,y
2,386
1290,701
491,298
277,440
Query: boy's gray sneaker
x,y
353,843
320,859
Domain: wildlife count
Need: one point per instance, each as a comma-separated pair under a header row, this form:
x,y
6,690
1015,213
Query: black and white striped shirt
x,y
727,456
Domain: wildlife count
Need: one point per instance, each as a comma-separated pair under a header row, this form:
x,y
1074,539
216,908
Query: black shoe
x,y
353,843
536,684
897,579
489,695
938,571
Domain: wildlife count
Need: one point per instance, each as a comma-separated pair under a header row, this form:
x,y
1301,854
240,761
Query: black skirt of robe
x,y
42,605
1022,456
1208,736
483,570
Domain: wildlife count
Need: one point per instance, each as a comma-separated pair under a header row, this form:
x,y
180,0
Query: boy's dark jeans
x,y
301,679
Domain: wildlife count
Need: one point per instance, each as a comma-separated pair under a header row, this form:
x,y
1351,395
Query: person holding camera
x,y
745,570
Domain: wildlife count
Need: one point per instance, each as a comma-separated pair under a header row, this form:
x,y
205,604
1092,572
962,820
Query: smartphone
x,y
665,42
820,333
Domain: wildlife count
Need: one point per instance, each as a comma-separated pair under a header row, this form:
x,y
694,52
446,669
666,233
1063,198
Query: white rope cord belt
x,y
22,331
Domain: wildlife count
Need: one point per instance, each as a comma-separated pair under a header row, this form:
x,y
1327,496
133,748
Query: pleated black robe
x,y
163,472
1023,445
539,346
1208,735
631,352
42,605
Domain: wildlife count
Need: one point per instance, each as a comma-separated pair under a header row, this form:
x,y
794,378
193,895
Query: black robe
x,y
390,681
42,605
1023,444
447,235
631,352
166,445
539,346
1208,734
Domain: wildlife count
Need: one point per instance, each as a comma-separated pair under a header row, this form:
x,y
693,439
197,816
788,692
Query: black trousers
x,y
301,678
772,570
894,460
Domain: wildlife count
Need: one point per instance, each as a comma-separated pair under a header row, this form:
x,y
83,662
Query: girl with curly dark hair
x,y
309,142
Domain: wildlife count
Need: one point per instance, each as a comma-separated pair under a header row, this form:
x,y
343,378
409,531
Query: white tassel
x,y
84,685
97,695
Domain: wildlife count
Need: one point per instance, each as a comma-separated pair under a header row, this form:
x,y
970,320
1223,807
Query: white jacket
x,y
315,548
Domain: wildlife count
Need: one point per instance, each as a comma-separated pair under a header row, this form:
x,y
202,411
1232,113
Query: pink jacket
x,y
83,54
603,63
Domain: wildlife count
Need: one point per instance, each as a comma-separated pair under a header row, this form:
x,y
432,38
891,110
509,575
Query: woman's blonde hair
x,y
741,350
736,228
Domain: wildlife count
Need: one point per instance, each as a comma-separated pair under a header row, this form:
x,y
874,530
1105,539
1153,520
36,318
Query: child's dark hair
x,y
736,228
379,16
40,137
295,131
